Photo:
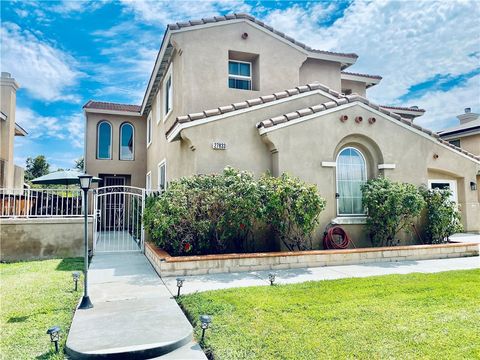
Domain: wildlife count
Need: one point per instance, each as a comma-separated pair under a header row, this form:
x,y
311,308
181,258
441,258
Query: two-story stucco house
x,y
231,90
11,175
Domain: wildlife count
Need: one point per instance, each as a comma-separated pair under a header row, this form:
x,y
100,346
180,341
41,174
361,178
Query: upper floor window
x,y
162,176
240,75
149,129
126,141
104,140
351,175
168,94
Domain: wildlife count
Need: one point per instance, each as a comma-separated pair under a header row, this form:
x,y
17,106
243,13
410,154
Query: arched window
x,y
351,175
126,141
104,140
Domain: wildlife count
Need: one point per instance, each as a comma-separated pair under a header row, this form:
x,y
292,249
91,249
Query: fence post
x,y
141,214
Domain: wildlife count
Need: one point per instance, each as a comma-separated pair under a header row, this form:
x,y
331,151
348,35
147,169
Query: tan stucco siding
x,y
324,72
357,87
471,143
8,100
302,148
135,168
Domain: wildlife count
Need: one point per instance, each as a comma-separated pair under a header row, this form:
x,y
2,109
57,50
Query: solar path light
x,y
54,333
205,321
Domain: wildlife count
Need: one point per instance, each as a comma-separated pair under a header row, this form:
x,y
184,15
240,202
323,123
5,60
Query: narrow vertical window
x,y
126,141
104,140
149,129
168,95
351,175
162,176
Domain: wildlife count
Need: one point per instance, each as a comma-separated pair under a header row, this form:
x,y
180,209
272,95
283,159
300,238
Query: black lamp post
x,y
271,278
85,183
54,333
76,277
179,285
205,321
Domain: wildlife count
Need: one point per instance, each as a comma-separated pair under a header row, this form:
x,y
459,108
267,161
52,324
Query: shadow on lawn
x,y
70,264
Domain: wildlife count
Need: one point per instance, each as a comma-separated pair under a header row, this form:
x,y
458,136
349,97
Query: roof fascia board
x,y
405,112
363,79
460,133
179,127
112,112
21,131
263,131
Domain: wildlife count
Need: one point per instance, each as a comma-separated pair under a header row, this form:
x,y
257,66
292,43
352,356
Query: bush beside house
x,y
218,213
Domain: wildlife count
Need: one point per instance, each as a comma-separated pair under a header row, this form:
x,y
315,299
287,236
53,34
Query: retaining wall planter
x,y
167,265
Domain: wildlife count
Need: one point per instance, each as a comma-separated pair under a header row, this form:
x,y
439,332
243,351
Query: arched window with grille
x,y
104,140
127,141
351,175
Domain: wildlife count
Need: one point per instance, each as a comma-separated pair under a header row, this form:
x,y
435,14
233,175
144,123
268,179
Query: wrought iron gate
x,y
118,223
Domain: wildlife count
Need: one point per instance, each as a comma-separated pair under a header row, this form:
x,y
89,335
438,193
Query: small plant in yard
x,y
391,207
291,207
442,215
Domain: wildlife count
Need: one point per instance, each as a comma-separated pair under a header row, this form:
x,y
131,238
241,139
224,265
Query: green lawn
x,y
422,316
34,296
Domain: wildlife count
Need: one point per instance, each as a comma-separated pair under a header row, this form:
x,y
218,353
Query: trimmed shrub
x,y
207,214
391,207
442,216
291,207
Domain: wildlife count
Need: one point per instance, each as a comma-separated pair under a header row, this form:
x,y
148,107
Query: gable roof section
x,y
166,49
265,125
252,103
113,108
468,128
370,80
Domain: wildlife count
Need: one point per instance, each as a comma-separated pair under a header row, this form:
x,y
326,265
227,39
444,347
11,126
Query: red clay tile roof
x,y
216,19
101,105
364,75
345,99
251,103
403,108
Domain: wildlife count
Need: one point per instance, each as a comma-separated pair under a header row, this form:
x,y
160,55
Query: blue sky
x,y
64,53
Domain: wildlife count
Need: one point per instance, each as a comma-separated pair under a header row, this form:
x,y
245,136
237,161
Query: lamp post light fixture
x,y
76,277
179,285
271,278
473,185
54,333
205,321
85,183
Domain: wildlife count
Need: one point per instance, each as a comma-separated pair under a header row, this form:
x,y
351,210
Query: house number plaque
x,y
219,146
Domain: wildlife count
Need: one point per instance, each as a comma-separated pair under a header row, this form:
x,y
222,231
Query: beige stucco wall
x,y
471,143
357,87
324,72
136,168
25,239
300,152
8,100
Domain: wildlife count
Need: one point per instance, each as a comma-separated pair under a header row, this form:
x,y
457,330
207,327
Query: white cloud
x,y
45,71
69,7
69,128
406,42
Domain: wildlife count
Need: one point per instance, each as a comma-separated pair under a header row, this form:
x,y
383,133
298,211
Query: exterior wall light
x,y
473,185
76,277
205,321
54,333
179,285
271,278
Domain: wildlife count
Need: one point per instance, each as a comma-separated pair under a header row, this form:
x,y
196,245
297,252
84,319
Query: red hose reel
x,y
336,238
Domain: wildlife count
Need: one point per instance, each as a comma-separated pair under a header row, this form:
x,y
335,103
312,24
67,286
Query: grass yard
x,y
34,296
427,316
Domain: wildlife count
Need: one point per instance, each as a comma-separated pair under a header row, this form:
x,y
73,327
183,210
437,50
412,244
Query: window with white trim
x,y
104,140
158,108
351,175
168,93
162,176
148,181
149,129
441,184
127,142
239,75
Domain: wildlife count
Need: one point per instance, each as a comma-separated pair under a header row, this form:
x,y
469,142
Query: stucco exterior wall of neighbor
x,y
8,101
135,168
300,153
356,87
471,143
325,72
26,239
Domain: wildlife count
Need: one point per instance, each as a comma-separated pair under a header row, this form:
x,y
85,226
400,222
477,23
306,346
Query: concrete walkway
x,y
258,278
134,315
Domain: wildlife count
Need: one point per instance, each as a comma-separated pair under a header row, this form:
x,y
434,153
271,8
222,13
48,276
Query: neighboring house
x,y
230,90
11,175
465,135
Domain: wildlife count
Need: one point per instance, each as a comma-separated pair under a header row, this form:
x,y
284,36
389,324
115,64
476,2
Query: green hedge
x,y
206,214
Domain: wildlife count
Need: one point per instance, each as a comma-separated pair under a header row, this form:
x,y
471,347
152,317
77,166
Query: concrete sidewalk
x,y
134,315
259,278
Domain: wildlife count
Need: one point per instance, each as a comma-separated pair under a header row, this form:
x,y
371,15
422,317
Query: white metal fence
x,y
34,203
